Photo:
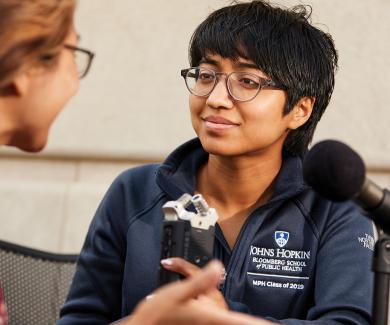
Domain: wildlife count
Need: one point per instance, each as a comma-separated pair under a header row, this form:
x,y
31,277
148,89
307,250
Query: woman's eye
x,y
249,83
204,76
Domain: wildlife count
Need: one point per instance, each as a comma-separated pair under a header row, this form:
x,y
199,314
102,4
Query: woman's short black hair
x,y
284,44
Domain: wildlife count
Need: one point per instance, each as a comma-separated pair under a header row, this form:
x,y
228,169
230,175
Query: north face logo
x,y
367,241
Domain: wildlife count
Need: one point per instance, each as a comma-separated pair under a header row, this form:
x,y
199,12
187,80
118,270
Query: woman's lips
x,y
218,123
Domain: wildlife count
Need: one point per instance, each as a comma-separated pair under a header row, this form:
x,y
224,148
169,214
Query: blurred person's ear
x,y
20,84
17,87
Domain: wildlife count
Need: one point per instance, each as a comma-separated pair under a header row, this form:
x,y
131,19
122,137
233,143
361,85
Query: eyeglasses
x,y
83,59
242,86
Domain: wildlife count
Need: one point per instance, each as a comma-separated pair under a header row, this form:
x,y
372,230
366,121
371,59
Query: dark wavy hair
x,y
284,44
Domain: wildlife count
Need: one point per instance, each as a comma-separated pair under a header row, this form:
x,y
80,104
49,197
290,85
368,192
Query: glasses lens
x,y
243,86
82,61
200,81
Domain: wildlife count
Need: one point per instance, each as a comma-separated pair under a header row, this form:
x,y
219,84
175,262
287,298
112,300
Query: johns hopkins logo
x,y
281,238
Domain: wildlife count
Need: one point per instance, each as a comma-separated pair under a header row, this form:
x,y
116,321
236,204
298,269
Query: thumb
x,y
201,282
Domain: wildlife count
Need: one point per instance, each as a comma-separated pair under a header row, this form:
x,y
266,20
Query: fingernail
x,y
166,262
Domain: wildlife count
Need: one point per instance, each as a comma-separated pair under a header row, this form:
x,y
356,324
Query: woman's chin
x,y
34,148
30,142
218,148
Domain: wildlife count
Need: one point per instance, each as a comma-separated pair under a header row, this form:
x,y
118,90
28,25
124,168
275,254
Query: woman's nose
x,y
220,96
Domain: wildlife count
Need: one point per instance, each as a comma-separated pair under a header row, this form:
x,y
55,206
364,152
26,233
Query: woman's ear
x,y
21,83
301,112
17,87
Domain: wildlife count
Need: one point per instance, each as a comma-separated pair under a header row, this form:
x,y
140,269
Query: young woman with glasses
x,y
260,78
40,68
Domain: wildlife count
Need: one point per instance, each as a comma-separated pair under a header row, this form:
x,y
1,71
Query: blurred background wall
x,y
132,109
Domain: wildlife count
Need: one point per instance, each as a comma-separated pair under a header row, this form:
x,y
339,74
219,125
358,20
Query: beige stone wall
x,y
132,108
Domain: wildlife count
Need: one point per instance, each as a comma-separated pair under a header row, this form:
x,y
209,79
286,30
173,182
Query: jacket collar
x,y
177,175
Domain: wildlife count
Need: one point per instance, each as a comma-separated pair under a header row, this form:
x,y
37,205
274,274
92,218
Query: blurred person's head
x,y
284,46
38,72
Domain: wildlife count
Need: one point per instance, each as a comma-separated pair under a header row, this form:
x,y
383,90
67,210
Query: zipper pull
x,y
223,279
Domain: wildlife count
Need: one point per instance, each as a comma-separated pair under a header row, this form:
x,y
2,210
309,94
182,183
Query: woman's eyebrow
x,y
208,61
247,65
237,64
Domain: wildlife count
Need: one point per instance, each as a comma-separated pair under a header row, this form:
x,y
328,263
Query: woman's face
x,y
228,127
45,91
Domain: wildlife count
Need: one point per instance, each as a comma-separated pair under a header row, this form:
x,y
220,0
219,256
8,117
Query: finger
x,y
197,313
201,282
215,297
181,266
243,319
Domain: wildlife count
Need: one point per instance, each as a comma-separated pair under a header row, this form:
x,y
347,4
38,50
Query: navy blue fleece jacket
x,y
299,259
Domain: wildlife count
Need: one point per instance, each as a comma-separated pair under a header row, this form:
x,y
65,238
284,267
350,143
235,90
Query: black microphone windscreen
x,y
334,170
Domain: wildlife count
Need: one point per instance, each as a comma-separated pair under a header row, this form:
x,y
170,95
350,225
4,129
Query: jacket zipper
x,y
225,286
237,247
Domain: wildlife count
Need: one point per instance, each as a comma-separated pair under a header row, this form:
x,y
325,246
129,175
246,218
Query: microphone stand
x,y
381,262
381,267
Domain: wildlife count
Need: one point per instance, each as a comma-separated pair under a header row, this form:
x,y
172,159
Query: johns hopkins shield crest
x,y
281,238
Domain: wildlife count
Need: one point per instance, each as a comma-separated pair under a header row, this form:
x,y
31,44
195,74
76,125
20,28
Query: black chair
x,y
35,283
